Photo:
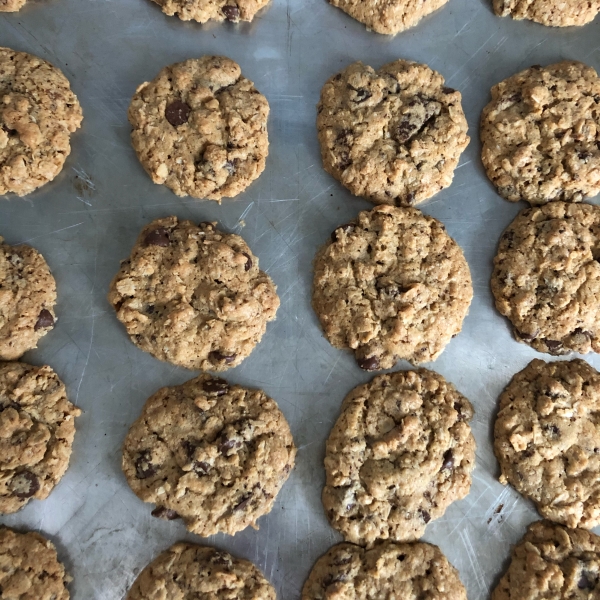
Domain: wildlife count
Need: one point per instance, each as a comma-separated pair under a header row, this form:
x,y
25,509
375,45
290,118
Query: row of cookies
x,y
393,136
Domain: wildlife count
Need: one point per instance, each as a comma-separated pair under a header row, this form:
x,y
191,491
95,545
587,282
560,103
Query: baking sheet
x,y
88,218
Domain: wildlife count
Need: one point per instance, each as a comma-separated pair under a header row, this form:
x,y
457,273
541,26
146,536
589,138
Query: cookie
x,y
38,113
27,298
554,13
554,563
200,128
30,568
209,10
211,453
407,571
540,134
546,277
388,16
399,454
11,5
193,295
391,285
392,136
192,571
36,433
548,443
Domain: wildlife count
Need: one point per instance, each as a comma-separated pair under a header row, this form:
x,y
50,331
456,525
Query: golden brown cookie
x,y
200,128
214,454
193,295
393,136
211,10
555,13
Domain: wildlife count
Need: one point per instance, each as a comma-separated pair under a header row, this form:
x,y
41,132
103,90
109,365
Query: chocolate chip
x,y
585,583
458,408
553,344
160,512
528,336
401,557
201,467
230,167
448,90
344,161
10,132
410,198
580,331
227,445
177,113
368,363
404,131
157,237
150,309
348,228
215,386
425,515
448,460
220,559
244,502
232,13
45,319
24,485
248,264
553,429
584,155
362,94
143,467
217,356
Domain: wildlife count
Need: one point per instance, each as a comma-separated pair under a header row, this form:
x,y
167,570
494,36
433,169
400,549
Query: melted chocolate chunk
x,y
217,356
448,90
425,515
45,319
232,13
248,264
157,237
553,344
24,485
143,467
216,386
448,460
160,512
369,363
177,113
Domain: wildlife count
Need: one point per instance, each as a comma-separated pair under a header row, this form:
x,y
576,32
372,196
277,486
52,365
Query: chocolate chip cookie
x,y
27,298
547,440
193,295
200,128
554,563
391,285
555,13
38,113
190,571
30,568
209,10
388,16
541,134
11,5
546,277
399,454
212,453
37,426
392,136
403,571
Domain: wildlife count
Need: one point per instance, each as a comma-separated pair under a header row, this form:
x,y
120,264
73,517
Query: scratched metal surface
x,y
86,221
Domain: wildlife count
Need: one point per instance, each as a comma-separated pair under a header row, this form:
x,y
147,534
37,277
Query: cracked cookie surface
x,y
393,136
547,439
554,13
37,427
30,568
193,296
540,134
407,571
388,16
546,277
189,571
200,128
391,285
399,454
552,563
27,299
212,10
38,113
212,453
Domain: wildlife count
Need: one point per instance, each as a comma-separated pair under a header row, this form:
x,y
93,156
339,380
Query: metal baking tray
x,y
88,218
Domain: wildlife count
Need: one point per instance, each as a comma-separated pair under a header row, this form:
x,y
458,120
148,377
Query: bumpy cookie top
x,y
541,134
30,568
406,571
27,298
400,452
201,128
555,13
388,16
552,563
211,453
216,10
547,439
190,572
37,426
11,5
391,285
38,112
193,295
546,277
393,136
